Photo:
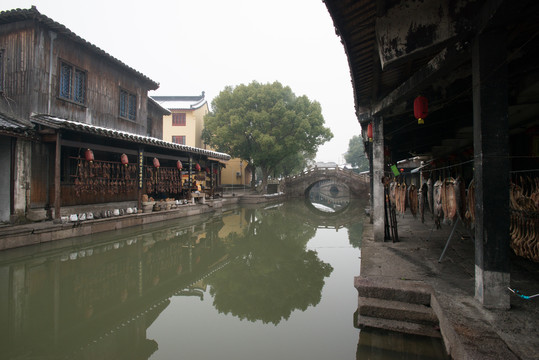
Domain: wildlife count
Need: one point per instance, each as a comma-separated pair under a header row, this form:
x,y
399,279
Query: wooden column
x,y
140,186
371,192
376,180
189,179
57,176
491,148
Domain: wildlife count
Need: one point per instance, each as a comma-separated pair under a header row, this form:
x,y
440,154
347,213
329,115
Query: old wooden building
x,y
79,125
455,82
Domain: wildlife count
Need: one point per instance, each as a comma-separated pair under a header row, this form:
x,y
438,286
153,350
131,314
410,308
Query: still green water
x,y
263,282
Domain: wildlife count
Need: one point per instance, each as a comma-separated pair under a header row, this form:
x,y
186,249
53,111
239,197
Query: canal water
x,y
253,282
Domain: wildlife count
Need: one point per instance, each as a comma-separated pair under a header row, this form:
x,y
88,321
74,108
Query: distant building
x,y
184,126
185,122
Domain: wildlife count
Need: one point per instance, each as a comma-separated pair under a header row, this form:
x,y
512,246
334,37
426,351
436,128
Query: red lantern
x,y
421,109
125,160
197,167
369,132
89,155
179,165
156,163
207,170
215,171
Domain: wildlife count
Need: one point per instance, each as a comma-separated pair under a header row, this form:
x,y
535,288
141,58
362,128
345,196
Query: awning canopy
x,y
59,123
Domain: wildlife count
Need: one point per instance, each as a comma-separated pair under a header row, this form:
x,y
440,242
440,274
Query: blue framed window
x,y
72,83
1,70
128,105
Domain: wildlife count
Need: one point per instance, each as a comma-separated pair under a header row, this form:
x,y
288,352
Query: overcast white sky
x,y
190,46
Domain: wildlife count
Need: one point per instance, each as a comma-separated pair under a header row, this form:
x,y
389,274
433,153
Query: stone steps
x,y
400,306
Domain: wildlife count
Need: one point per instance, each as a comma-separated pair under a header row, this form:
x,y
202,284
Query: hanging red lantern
x,y
369,132
207,170
89,155
156,163
215,171
197,167
421,109
125,160
179,165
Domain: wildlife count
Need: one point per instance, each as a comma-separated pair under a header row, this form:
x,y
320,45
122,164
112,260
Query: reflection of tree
x,y
273,274
355,234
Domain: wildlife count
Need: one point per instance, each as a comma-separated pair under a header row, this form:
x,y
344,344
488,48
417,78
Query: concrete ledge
x,y
465,335
30,234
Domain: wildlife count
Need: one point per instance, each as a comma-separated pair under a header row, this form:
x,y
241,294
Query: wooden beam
x,y
105,148
446,60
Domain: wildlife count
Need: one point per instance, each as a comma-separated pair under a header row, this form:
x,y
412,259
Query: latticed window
x,y
1,70
178,119
80,86
178,139
72,83
128,105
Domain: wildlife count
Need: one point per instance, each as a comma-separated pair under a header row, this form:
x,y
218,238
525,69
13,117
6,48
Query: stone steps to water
x,y
398,326
396,310
400,306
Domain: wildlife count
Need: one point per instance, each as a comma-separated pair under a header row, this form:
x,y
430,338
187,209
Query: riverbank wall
x,y
12,236
47,231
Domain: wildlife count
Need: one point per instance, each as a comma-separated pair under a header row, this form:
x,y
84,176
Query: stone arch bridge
x,y
299,185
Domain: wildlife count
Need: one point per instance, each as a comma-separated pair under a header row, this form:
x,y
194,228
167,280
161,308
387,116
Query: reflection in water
x,y
329,196
387,345
259,282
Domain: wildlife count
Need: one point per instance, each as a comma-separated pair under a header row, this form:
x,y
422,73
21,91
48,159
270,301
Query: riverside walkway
x,y
469,331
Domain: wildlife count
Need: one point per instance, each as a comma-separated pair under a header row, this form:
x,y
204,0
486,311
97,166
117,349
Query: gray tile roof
x,y
59,123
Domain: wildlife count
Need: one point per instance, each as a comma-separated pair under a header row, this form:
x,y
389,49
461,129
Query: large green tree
x,y
263,124
355,155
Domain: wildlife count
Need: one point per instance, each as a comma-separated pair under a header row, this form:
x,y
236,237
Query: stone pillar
x,y
491,150
377,175
22,173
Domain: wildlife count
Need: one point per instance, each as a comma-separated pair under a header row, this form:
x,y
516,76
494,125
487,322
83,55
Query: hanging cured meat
x,y
524,220
460,197
392,192
470,201
412,199
450,206
430,195
403,198
437,199
422,200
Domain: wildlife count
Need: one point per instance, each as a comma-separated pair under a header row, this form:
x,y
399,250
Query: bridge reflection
x,y
329,195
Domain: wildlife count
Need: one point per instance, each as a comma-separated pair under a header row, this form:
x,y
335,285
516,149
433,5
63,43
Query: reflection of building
x,y
233,223
101,298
